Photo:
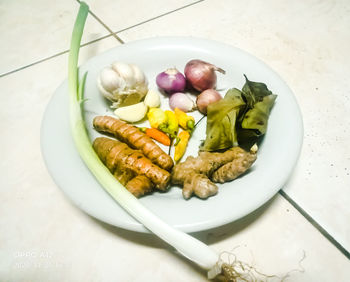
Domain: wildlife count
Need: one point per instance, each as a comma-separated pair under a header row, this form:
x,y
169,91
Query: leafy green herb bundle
x,y
240,118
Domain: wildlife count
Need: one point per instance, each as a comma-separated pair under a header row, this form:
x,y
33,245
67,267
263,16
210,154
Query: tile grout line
x,y
159,16
114,34
52,56
315,224
104,25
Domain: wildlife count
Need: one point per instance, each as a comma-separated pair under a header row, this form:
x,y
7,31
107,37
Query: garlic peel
x,y
119,80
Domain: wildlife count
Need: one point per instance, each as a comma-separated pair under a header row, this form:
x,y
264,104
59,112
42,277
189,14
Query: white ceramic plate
x,y
277,154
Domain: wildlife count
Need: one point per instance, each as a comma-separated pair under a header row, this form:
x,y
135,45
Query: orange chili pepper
x,y
157,135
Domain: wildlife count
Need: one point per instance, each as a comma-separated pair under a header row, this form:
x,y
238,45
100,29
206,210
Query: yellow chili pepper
x,y
185,121
156,117
171,126
180,148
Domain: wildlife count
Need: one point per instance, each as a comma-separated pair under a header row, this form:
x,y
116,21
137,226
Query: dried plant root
x,y
235,270
197,174
135,138
125,163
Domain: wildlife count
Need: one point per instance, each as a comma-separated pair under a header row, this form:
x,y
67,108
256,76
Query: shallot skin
x,y
201,75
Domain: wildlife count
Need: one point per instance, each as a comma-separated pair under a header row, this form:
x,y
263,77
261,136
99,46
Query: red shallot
x,y
206,98
181,101
201,75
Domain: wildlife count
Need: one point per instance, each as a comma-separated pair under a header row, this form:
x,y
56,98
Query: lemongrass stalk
x,y
188,246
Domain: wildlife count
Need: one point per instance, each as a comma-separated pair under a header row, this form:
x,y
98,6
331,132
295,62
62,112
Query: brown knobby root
x,y
139,185
200,185
198,174
134,138
131,167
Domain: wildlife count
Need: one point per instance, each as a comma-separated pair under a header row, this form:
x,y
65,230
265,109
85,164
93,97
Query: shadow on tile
x,y
210,236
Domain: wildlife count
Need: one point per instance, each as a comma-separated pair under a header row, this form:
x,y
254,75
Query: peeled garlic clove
x,y
132,113
152,99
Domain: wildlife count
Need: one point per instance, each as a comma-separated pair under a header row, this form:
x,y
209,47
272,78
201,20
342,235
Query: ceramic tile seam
x,y
315,224
156,17
51,57
105,26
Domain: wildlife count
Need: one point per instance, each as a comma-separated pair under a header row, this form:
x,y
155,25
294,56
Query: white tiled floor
x,y
35,30
43,237
118,16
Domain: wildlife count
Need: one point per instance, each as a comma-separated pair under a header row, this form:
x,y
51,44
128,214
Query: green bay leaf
x,y
221,122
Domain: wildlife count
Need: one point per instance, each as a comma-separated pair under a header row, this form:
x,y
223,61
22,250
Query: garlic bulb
x,y
123,84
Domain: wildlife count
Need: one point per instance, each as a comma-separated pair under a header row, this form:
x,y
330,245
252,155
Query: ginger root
x,y
197,174
135,138
200,185
130,166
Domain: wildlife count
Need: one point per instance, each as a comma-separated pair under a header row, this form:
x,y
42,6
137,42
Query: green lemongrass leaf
x,y
74,50
190,247
81,88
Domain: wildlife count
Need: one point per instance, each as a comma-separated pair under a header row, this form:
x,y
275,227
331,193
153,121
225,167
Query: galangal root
x,y
197,174
130,167
135,138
